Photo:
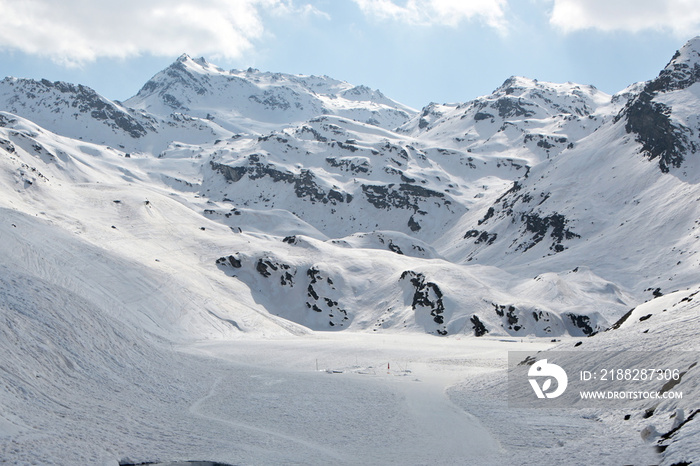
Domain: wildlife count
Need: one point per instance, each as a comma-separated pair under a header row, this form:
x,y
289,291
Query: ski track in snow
x,y
357,410
219,396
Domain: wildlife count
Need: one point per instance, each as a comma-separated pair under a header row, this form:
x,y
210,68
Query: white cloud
x,y
79,31
437,12
680,17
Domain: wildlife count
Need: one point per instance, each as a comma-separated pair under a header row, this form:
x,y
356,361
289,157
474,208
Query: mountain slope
x,y
245,100
133,209
524,118
622,201
82,114
422,205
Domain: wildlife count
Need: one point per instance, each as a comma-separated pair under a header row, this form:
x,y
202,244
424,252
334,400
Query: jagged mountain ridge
x,y
663,134
501,198
82,114
403,174
629,178
527,118
194,102
250,99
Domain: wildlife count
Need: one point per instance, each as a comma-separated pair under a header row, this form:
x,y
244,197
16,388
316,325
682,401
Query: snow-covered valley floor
x,y
400,399
96,370
263,401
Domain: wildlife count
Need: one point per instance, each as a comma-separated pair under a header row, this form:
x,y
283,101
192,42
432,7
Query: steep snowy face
x,y
81,113
250,99
72,110
663,116
524,117
682,71
622,201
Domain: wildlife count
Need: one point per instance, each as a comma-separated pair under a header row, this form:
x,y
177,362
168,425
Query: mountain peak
x,y
200,63
651,120
515,83
183,58
689,53
200,89
519,84
682,71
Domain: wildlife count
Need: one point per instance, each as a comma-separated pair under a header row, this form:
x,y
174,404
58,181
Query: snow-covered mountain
x,y
486,182
236,204
73,110
622,199
156,201
82,114
194,102
524,118
242,101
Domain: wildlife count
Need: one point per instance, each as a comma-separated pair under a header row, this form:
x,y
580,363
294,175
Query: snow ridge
x,y
250,97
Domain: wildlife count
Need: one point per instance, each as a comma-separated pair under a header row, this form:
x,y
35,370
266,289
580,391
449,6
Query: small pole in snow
x,y
388,368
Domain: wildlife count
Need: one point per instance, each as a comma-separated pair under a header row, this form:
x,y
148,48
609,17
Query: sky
x,y
414,51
